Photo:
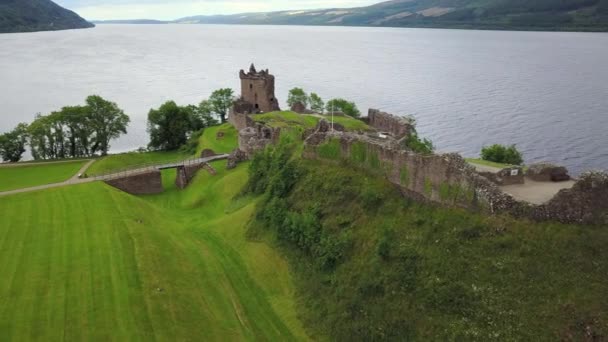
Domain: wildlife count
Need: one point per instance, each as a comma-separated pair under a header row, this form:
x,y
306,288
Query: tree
x,y
12,144
316,103
107,121
502,154
77,122
204,114
297,95
221,101
344,106
169,126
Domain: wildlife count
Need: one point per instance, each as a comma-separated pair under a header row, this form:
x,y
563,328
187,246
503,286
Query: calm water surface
x,y
546,92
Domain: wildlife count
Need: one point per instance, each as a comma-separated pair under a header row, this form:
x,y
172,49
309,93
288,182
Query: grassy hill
x,y
37,15
89,262
283,249
25,176
585,15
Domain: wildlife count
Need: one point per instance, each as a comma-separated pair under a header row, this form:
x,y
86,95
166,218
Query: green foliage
x,y
341,105
330,149
169,126
418,145
404,176
221,101
297,95
316,103
358,153
106,120
502,154
404,270
12,144
77,131
37,15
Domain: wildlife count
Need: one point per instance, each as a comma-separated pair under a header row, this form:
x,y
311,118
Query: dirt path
x,y
82,170
23,164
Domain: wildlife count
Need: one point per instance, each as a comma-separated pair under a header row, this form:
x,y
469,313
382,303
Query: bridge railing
x,y
151,166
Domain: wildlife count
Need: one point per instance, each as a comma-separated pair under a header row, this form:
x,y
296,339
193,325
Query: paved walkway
x,y
75,180
536,192
23,164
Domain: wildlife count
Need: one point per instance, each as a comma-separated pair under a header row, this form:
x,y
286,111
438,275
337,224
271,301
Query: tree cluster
x,y
502,154
71,132
170,126
315,103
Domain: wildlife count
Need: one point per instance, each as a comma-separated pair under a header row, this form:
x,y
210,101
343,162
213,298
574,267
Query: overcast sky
x,y
167,9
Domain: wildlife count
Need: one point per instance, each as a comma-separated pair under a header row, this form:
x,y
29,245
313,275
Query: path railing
x,y
152,166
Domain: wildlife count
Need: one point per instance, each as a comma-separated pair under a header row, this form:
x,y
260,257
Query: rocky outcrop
x,y
145,183
545,172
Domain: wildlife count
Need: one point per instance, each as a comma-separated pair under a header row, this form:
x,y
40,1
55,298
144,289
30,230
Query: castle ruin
x,y
257,89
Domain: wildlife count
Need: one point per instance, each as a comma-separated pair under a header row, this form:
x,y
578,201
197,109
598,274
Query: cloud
x,y
168,10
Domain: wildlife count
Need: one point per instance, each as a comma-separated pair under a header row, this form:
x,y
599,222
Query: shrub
x,y
502,154
341,105
418,145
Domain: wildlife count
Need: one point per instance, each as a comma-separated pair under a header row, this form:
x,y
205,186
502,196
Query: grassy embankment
x,y
291,119
370,265
480,161
117,162
89,262
25,176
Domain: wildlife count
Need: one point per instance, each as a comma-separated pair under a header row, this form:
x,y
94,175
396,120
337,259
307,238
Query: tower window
x,y
250,85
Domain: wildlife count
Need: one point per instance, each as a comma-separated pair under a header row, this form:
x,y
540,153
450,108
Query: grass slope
x,y
17,177
117,162
373,266
292,119
89,262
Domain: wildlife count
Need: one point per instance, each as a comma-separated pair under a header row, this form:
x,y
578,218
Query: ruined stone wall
x,y
252,139
140,184
239,120
398,127
448,180
585,202
185,174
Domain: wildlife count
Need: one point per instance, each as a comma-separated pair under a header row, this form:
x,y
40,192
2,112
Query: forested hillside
x,y
584,15
37,15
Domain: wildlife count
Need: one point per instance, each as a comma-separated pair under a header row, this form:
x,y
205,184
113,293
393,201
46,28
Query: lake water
x,y
546,92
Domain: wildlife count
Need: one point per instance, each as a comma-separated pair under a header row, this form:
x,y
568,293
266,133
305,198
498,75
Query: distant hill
x,y
568,15
130,21
37,15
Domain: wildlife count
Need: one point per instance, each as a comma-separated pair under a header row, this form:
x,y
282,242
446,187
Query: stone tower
x,y
257,88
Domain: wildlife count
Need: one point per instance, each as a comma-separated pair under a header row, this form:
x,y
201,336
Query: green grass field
x,y
292,119
89,262
225,144
17,177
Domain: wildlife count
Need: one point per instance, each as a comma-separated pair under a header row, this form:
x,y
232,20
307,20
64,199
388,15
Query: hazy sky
x,y
167,9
